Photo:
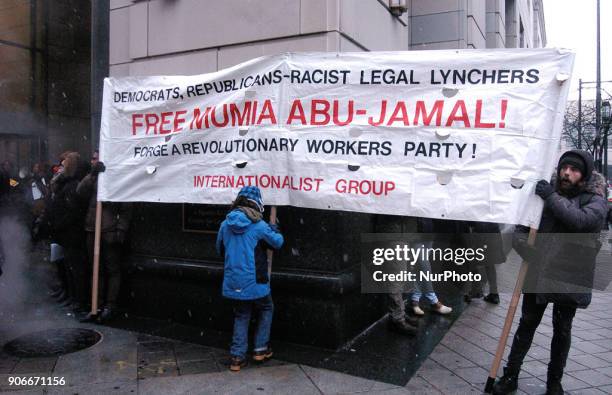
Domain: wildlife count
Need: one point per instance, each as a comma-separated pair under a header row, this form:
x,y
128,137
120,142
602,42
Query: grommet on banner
x,y
241,164
355,132
517,183
442,134
353,166
250,93
450,92
444,177
243,130
562,77
151,169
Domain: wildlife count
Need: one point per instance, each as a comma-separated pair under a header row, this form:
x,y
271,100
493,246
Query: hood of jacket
x,y
238,221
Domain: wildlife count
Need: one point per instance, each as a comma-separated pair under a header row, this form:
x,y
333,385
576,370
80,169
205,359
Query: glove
x,y
275,228
527,252
98,168
544,189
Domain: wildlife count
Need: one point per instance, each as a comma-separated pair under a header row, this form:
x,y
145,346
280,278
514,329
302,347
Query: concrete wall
x,y
456,24
69,77
194,37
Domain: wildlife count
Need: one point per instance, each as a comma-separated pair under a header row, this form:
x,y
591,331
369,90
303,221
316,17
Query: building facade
x,y
317,273
44,79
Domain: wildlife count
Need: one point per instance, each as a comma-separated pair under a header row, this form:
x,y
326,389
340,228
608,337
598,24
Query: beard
x,y
568,188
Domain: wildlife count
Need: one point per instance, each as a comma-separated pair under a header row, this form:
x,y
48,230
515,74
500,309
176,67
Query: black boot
x,y
554,387
402,327
107,314
492,298
508,383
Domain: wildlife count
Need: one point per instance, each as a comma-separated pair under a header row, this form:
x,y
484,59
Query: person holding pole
x,y
115,222
246,279
573,203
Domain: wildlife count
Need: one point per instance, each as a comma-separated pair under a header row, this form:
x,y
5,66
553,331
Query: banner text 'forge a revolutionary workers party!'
x,y
441,134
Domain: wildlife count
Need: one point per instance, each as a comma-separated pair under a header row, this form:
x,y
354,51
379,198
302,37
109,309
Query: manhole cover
x,y
52,342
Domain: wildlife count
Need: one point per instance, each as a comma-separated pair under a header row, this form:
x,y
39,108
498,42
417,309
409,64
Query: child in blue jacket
x,y
243,239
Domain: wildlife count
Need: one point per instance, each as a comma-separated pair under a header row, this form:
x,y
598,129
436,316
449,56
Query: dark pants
x,y
109,280
562,336
78,274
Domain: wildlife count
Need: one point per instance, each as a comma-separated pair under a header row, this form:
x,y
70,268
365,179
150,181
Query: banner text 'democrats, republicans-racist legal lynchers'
x,y
441,134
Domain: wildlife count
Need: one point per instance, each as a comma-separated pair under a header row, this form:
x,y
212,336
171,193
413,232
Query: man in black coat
x,y
573,204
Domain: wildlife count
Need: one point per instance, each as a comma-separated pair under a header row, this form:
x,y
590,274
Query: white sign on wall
x,y
442,134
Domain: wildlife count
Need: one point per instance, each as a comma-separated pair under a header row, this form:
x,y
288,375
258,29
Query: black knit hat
x,y
580,159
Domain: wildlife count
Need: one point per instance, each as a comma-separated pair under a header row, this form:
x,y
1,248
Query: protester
x,y
67,215
477,235
37,196
573,203
245,277
116,218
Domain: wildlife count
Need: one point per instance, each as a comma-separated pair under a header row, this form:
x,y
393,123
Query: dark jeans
x,y
264,308
109,280
562,336
78,273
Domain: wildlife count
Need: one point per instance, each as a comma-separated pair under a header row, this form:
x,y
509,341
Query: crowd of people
x,y
59,204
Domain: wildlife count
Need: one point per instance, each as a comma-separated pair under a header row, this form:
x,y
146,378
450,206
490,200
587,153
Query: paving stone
x,y
532,385
7,363
35,365
586,335
593,377
588,347
590,361
607,371
330,382
606,389
450,360
475,375
606,356
114,388
586,391
535,368
195,367
443,379
572,365
418,385
278,379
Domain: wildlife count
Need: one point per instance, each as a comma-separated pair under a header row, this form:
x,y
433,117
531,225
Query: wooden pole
x,y
270,252
96,259
503,339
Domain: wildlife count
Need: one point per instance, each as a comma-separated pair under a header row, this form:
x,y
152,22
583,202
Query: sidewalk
x,y
130,363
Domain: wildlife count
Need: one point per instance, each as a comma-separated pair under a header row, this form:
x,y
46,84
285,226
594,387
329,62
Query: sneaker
x,y
263,355
506,384
416,309
237,363
441,309
402,327
492,298
554,388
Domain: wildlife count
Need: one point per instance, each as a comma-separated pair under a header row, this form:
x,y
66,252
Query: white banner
x,y
442,134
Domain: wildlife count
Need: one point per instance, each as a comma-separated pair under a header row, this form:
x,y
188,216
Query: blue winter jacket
x,y
237,239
